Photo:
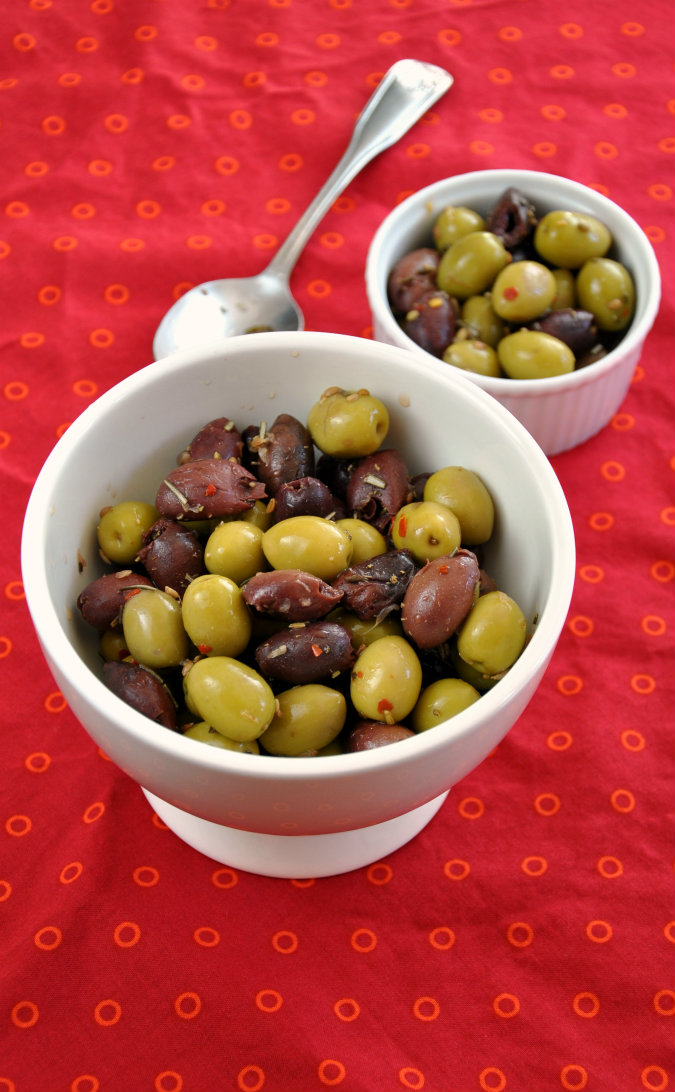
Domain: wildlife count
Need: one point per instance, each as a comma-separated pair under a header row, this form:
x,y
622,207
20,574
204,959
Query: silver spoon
x,y
223,308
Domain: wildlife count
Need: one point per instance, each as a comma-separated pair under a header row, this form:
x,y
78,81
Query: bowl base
x,y
295,857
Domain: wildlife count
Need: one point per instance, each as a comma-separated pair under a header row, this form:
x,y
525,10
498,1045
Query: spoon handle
x,y
403,95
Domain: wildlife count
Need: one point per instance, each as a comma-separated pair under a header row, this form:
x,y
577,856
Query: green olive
x,y
471,264
427,529
234,549
230,696
606,289
206,734
472,355
366,540
121,529
522,291
215,615
113,646
481,321
386,680
453,222
493,634
259,515
348,424
465,493
363,631
308,718
153,629
532,354
440,701
566,289
568,239
311,543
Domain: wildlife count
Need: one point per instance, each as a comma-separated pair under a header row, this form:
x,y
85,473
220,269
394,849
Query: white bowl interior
x,y
123,445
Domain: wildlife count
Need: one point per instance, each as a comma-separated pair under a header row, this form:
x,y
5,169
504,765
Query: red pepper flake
x,y
317,651
210,490
403,527
204,649
443,569
129,592
510,292
384,706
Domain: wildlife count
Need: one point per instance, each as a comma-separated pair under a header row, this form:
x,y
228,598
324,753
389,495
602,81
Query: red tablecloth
x,y
524,941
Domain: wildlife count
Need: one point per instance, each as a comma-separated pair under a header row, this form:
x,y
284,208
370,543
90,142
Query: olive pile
x,y
513,294
293,590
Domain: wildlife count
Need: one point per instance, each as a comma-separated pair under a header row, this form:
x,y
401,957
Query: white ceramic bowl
x,y
291,817
559,412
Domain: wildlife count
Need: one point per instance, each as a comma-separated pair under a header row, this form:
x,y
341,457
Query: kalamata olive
x,y
142,690
101,602
575,327
412,275
310,543
207,489
366,735
595,353
473,355
230,696
348,424
427,529
378,487
370,587
290,594
454,221
431,321
465,493
153,628
306,653
172,555
439,598
335,473
305,497
206,734
215,616
492,636
281,453
567,239
219,439
307,719
121,528
513,217
234,549
441,700
386,680
522,291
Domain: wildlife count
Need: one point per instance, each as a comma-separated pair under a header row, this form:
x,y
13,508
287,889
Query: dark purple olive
x,y
207,489
431,321
142,690
576,328
291,594
101,602
306,654
282,453
172,555
513,218
439,597
378,487
366,735
372,586
219,439
306,497
412,275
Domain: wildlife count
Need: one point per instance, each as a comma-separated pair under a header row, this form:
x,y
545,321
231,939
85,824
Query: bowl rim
x,y
376,276
57,647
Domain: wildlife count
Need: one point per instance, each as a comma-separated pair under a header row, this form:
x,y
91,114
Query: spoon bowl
x,y
231,306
